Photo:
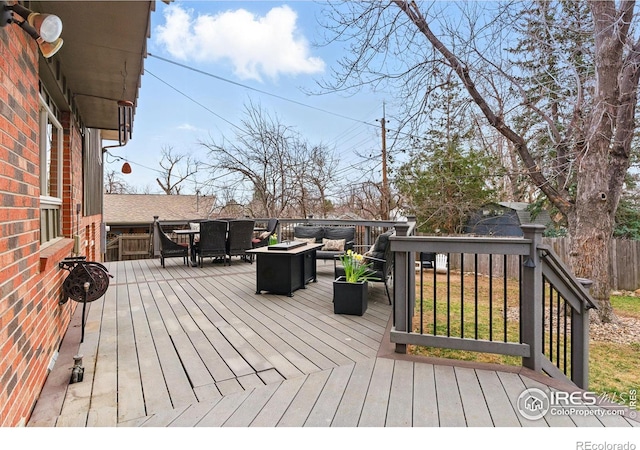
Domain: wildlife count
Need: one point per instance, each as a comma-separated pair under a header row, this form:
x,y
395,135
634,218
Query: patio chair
x,y
239,240
169,248
427,260
213,239
380,258
263,239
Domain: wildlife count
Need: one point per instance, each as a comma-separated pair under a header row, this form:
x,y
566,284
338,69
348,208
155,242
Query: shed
x,y
503,219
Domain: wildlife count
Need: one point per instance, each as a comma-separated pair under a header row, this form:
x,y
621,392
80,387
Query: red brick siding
x,y
32,323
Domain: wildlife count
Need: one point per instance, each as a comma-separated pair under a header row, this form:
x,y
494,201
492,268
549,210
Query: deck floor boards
x,y
197,347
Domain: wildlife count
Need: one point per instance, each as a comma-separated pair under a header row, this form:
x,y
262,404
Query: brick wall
x,y
32,323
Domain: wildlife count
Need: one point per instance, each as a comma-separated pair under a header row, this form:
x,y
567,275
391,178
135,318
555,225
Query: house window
x,y
51,139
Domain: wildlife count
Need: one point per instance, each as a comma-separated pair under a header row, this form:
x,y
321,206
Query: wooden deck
x,y
197,347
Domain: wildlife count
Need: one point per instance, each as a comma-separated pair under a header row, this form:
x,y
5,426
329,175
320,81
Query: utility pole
x,y
385,180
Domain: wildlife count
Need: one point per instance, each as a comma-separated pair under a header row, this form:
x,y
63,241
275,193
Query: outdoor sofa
x,y
336,240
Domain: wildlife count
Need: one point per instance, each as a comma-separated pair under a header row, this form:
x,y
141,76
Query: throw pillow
x,y
195,227
370,251
308,240
336,245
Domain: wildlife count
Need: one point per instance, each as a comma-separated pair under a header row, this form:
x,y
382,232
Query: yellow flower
x,y
356,268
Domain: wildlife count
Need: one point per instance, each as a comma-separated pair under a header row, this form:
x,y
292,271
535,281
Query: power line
x,y
280,97
192,99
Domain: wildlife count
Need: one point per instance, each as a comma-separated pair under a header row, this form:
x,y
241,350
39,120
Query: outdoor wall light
x,y
45,29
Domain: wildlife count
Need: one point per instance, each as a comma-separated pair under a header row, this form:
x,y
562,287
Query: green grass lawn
x,y
612,366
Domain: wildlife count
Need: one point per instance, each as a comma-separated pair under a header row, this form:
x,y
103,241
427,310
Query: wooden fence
x,y
125,247
624,262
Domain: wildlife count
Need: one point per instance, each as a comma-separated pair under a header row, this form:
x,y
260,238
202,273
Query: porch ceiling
x,y
102,59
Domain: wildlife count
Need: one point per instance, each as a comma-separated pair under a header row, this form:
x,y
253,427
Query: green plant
x,y
356,268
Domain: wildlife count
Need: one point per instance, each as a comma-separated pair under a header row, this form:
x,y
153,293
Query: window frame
x,y
50,205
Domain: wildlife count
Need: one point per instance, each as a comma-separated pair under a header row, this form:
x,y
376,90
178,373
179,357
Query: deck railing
x,y
366,230
540,315
508,296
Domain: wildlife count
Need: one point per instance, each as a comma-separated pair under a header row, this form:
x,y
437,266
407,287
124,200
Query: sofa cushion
x,y
336,245
378,250
308,232
264,235
382,241
346,233
310,240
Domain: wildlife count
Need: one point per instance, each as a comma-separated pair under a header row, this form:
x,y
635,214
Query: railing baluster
x,y
462,295
421,297
504,293
565,337
448,297
550,322
558,331
475,269
490,297
435,309
544,306
520,261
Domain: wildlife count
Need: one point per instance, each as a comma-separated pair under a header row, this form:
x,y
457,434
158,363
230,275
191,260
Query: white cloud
x,y
187,127
255,46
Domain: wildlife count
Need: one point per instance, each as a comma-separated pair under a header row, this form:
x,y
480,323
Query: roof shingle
x,y
140,208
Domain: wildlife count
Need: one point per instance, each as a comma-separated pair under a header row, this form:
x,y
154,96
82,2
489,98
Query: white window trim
x,y
47,115
51,201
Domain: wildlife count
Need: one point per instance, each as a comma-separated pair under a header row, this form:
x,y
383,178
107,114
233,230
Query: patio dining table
x,y
192,249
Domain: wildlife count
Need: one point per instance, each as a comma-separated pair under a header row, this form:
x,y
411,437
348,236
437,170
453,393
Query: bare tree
x,y
269,166
583,174
363,199
177,168
114,184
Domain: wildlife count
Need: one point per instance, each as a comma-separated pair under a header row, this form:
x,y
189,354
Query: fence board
x,y
624,258
129,246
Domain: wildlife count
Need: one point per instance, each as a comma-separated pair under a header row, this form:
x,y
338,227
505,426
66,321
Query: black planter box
x,y
350,298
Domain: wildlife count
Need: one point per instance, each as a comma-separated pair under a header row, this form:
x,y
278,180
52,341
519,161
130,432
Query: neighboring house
x,y
55,114
134,213
503,219
126,211
129,220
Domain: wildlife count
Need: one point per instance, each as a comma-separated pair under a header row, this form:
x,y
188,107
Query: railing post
x,y
580,342
156,239
411,272
531,313
401,289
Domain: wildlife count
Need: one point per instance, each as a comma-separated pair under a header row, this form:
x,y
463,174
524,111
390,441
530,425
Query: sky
x,y
209,59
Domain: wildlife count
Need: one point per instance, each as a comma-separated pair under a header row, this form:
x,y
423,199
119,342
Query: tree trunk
x,y
590,232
